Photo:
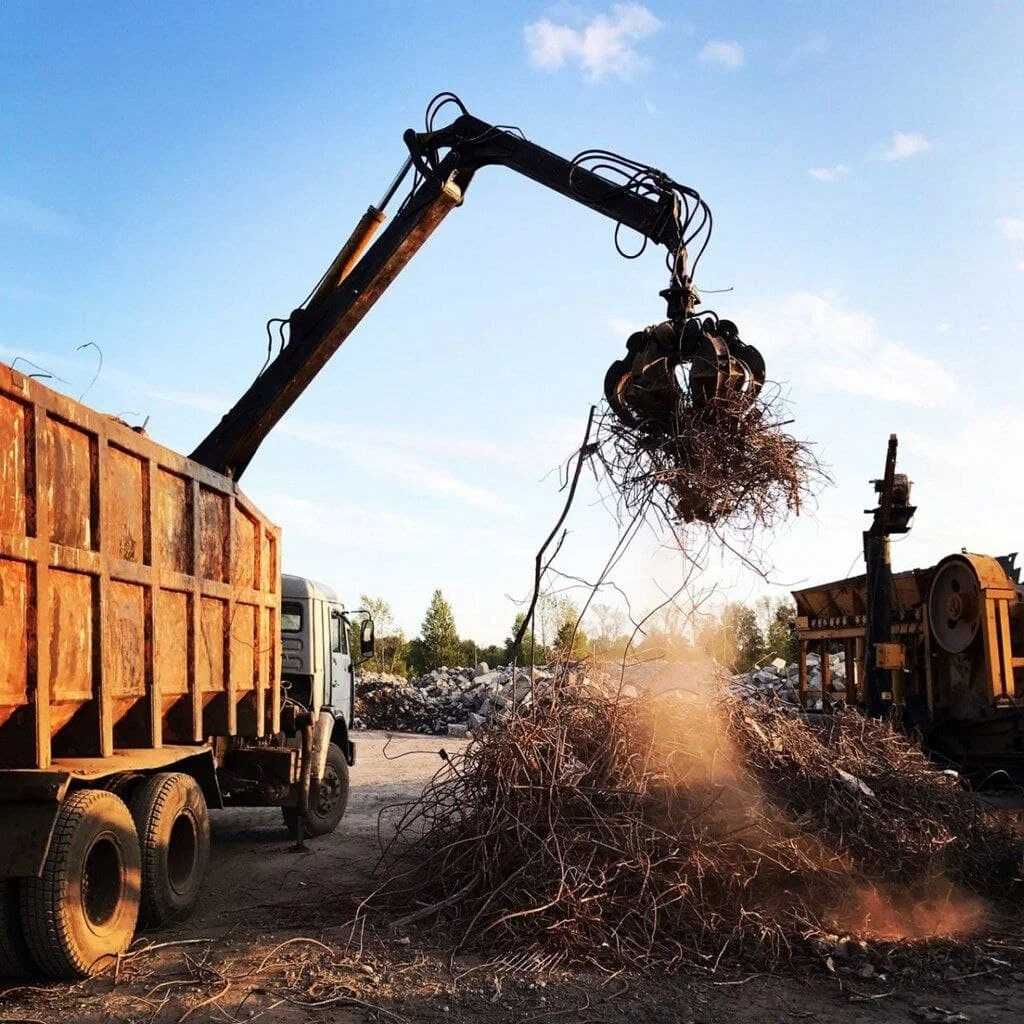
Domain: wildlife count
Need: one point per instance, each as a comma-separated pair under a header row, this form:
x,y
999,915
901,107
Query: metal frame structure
x,y
140,590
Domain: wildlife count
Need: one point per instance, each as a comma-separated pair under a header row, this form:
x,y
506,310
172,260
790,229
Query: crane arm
x,y
443,163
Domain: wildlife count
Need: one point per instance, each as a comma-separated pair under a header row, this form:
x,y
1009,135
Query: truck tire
x,y
174,832
15,961
82,911
327,808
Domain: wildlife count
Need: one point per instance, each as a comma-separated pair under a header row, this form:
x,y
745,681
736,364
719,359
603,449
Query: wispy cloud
x,y
815,45
818,339
834,173
29,216
393,462
396,455
367,525
1012,228
904,145
726,53
602,46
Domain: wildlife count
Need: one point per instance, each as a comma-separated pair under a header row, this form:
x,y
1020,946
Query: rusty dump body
x,y
139,599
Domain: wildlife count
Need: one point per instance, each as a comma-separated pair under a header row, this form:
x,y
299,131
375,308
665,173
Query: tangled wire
x,y
721,464
669,830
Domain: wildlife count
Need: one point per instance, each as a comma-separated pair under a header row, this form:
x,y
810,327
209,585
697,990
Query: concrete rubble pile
x,y
782,680
460,701
446,701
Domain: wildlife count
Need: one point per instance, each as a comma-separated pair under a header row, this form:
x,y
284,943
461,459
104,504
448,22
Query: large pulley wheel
x,y
174,831
81,912
954,605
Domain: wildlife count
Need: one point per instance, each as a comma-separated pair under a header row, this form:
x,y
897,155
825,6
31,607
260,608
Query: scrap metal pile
x,y
692,432
688,827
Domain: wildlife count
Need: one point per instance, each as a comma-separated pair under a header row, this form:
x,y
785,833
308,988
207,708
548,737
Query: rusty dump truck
x,y
141,607
140,680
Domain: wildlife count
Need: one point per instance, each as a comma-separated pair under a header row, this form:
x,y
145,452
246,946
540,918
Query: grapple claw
x,y
646,391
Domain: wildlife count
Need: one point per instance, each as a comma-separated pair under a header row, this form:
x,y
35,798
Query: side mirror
x,y
366,639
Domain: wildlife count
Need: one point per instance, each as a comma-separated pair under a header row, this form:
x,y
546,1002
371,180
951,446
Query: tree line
x,y
739,636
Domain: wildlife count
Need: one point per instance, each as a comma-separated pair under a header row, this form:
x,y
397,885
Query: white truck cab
x,y
317,667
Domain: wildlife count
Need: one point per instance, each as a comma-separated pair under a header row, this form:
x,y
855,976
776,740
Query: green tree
x,y
439,636
570,641
493,654
532,650
416,657
741,620
469,652
733,638
390,653
778,622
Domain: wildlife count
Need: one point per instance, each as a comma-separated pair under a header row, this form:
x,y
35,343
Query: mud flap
x,y
25,831
322,730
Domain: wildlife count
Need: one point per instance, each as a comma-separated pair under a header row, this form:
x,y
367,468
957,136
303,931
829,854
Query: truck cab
x,y
317,665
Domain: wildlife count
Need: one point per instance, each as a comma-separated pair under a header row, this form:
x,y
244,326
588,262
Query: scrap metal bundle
x,y
682,828
695,433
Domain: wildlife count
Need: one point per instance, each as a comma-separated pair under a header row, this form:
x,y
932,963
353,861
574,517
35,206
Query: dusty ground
x,y
271,937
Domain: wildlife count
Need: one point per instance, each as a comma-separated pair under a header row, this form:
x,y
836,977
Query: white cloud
x,y
834,173
396,454
816,339
602,46
1012,228
904,145
726,53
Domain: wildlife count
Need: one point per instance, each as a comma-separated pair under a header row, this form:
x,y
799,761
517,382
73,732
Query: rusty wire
x,y
677,829
729,464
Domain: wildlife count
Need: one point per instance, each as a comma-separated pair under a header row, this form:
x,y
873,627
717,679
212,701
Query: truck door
x,y
340,662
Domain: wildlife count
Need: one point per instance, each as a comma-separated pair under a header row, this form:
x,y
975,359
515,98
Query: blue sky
x,y
174,175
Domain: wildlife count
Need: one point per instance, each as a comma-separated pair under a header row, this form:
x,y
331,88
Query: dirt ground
x,y
271,941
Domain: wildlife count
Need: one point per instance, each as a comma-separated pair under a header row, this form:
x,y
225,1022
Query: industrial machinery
x,y
644,388
141,668
940,648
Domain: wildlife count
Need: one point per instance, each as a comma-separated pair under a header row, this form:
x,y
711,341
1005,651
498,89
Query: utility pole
x,y
893,515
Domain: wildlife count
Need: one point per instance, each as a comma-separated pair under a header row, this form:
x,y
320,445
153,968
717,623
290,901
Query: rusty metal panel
x,y
212,621
16,669
126,640
70,484
15,467
244,641
172,640
15,583
213,534
126,501
138,590
173,517
72,615
246,552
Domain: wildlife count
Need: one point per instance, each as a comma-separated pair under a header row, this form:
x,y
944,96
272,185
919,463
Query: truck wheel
x,y
82,911
327,806
15,961
174,831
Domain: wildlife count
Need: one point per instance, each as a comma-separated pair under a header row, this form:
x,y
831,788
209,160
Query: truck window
x,y
337,632
291,617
